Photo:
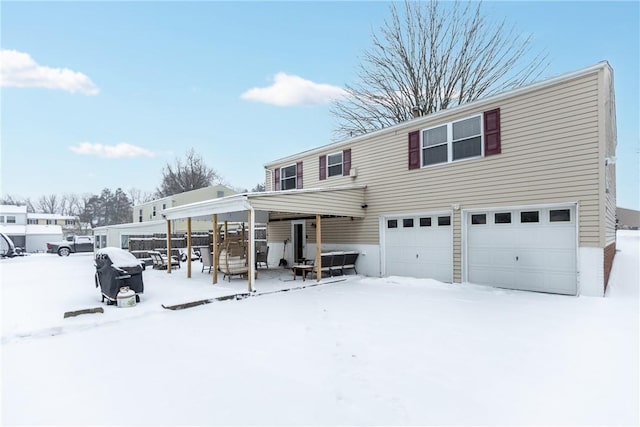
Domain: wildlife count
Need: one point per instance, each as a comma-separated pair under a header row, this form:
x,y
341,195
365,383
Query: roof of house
x,y
11,209
13,229
337,201
39,215
33,229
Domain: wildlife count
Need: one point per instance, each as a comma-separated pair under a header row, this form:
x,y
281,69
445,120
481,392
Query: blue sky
x,y
133,85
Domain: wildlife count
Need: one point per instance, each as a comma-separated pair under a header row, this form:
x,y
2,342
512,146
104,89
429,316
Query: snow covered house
x,y
516,190
24,231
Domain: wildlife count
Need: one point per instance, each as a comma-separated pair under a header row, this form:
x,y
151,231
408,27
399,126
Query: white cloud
x,y
18,69
111,151
288,90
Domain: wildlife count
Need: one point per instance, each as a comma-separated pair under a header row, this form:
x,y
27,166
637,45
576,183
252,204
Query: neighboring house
x,y
516,190
153,210
148,218
25,232
628,219
70,224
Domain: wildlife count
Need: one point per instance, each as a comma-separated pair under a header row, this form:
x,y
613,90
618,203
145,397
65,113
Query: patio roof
x,y
337,201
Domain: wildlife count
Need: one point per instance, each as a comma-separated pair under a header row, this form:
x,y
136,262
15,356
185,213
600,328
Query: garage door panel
x,y
537,256
559,237
496,235
424,252
560,260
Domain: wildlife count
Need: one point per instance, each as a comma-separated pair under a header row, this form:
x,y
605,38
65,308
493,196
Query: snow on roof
x,y
120,257
12,209
44,229
38,215
13,229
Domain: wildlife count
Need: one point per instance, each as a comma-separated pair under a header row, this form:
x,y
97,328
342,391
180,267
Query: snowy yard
x,y
359,351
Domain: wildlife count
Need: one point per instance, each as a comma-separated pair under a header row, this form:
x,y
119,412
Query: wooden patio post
x,y
189,248
170,264
318,247
214,249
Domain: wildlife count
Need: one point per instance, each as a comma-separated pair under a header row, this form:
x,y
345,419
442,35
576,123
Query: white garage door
x,y
419,246
526,249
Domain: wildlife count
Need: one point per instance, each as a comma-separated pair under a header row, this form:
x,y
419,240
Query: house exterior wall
x,y
178,200
554,137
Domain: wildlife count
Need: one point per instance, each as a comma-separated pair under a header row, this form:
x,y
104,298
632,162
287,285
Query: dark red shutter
x,y
299,175
323,167
276,179
414,150
346,162
492,132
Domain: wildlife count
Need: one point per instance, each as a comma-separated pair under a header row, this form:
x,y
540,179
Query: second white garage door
x,y
530,249
419,246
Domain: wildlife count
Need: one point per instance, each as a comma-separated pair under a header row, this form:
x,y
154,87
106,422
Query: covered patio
x,y
254,208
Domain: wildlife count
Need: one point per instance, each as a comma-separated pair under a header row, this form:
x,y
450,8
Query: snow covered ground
x,y
359,351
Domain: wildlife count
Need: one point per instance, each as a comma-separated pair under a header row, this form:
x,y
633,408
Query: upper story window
x,y
11,219
69,222
1,219
32,221
49,222
334,164
154,211
219,194
288,177
470,137
164,206
452,141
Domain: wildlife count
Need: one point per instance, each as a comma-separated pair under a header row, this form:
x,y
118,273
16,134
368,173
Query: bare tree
x,y
17,201
138,196
431,58
49,204
187,175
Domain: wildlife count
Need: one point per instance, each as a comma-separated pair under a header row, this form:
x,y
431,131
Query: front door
x,y
298,232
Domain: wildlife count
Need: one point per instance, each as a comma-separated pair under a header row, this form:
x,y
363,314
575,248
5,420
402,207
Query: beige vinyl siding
x,y
550,154
610,142
346,202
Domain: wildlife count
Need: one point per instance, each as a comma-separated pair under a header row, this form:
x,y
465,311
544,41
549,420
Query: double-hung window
x,y
288,177
453,141
334,164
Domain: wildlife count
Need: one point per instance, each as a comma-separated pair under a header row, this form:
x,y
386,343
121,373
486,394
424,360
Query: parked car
x,y
71,245
7,248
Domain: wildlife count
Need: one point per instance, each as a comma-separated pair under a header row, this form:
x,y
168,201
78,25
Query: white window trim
x,y
295,176
341,153
450,141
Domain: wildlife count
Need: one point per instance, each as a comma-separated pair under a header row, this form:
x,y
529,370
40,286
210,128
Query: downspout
x,y
252,245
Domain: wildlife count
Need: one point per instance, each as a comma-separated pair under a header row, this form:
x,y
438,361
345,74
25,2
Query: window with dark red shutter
x,y
492,132
323,167
346,162
414,150
299,175
276,179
